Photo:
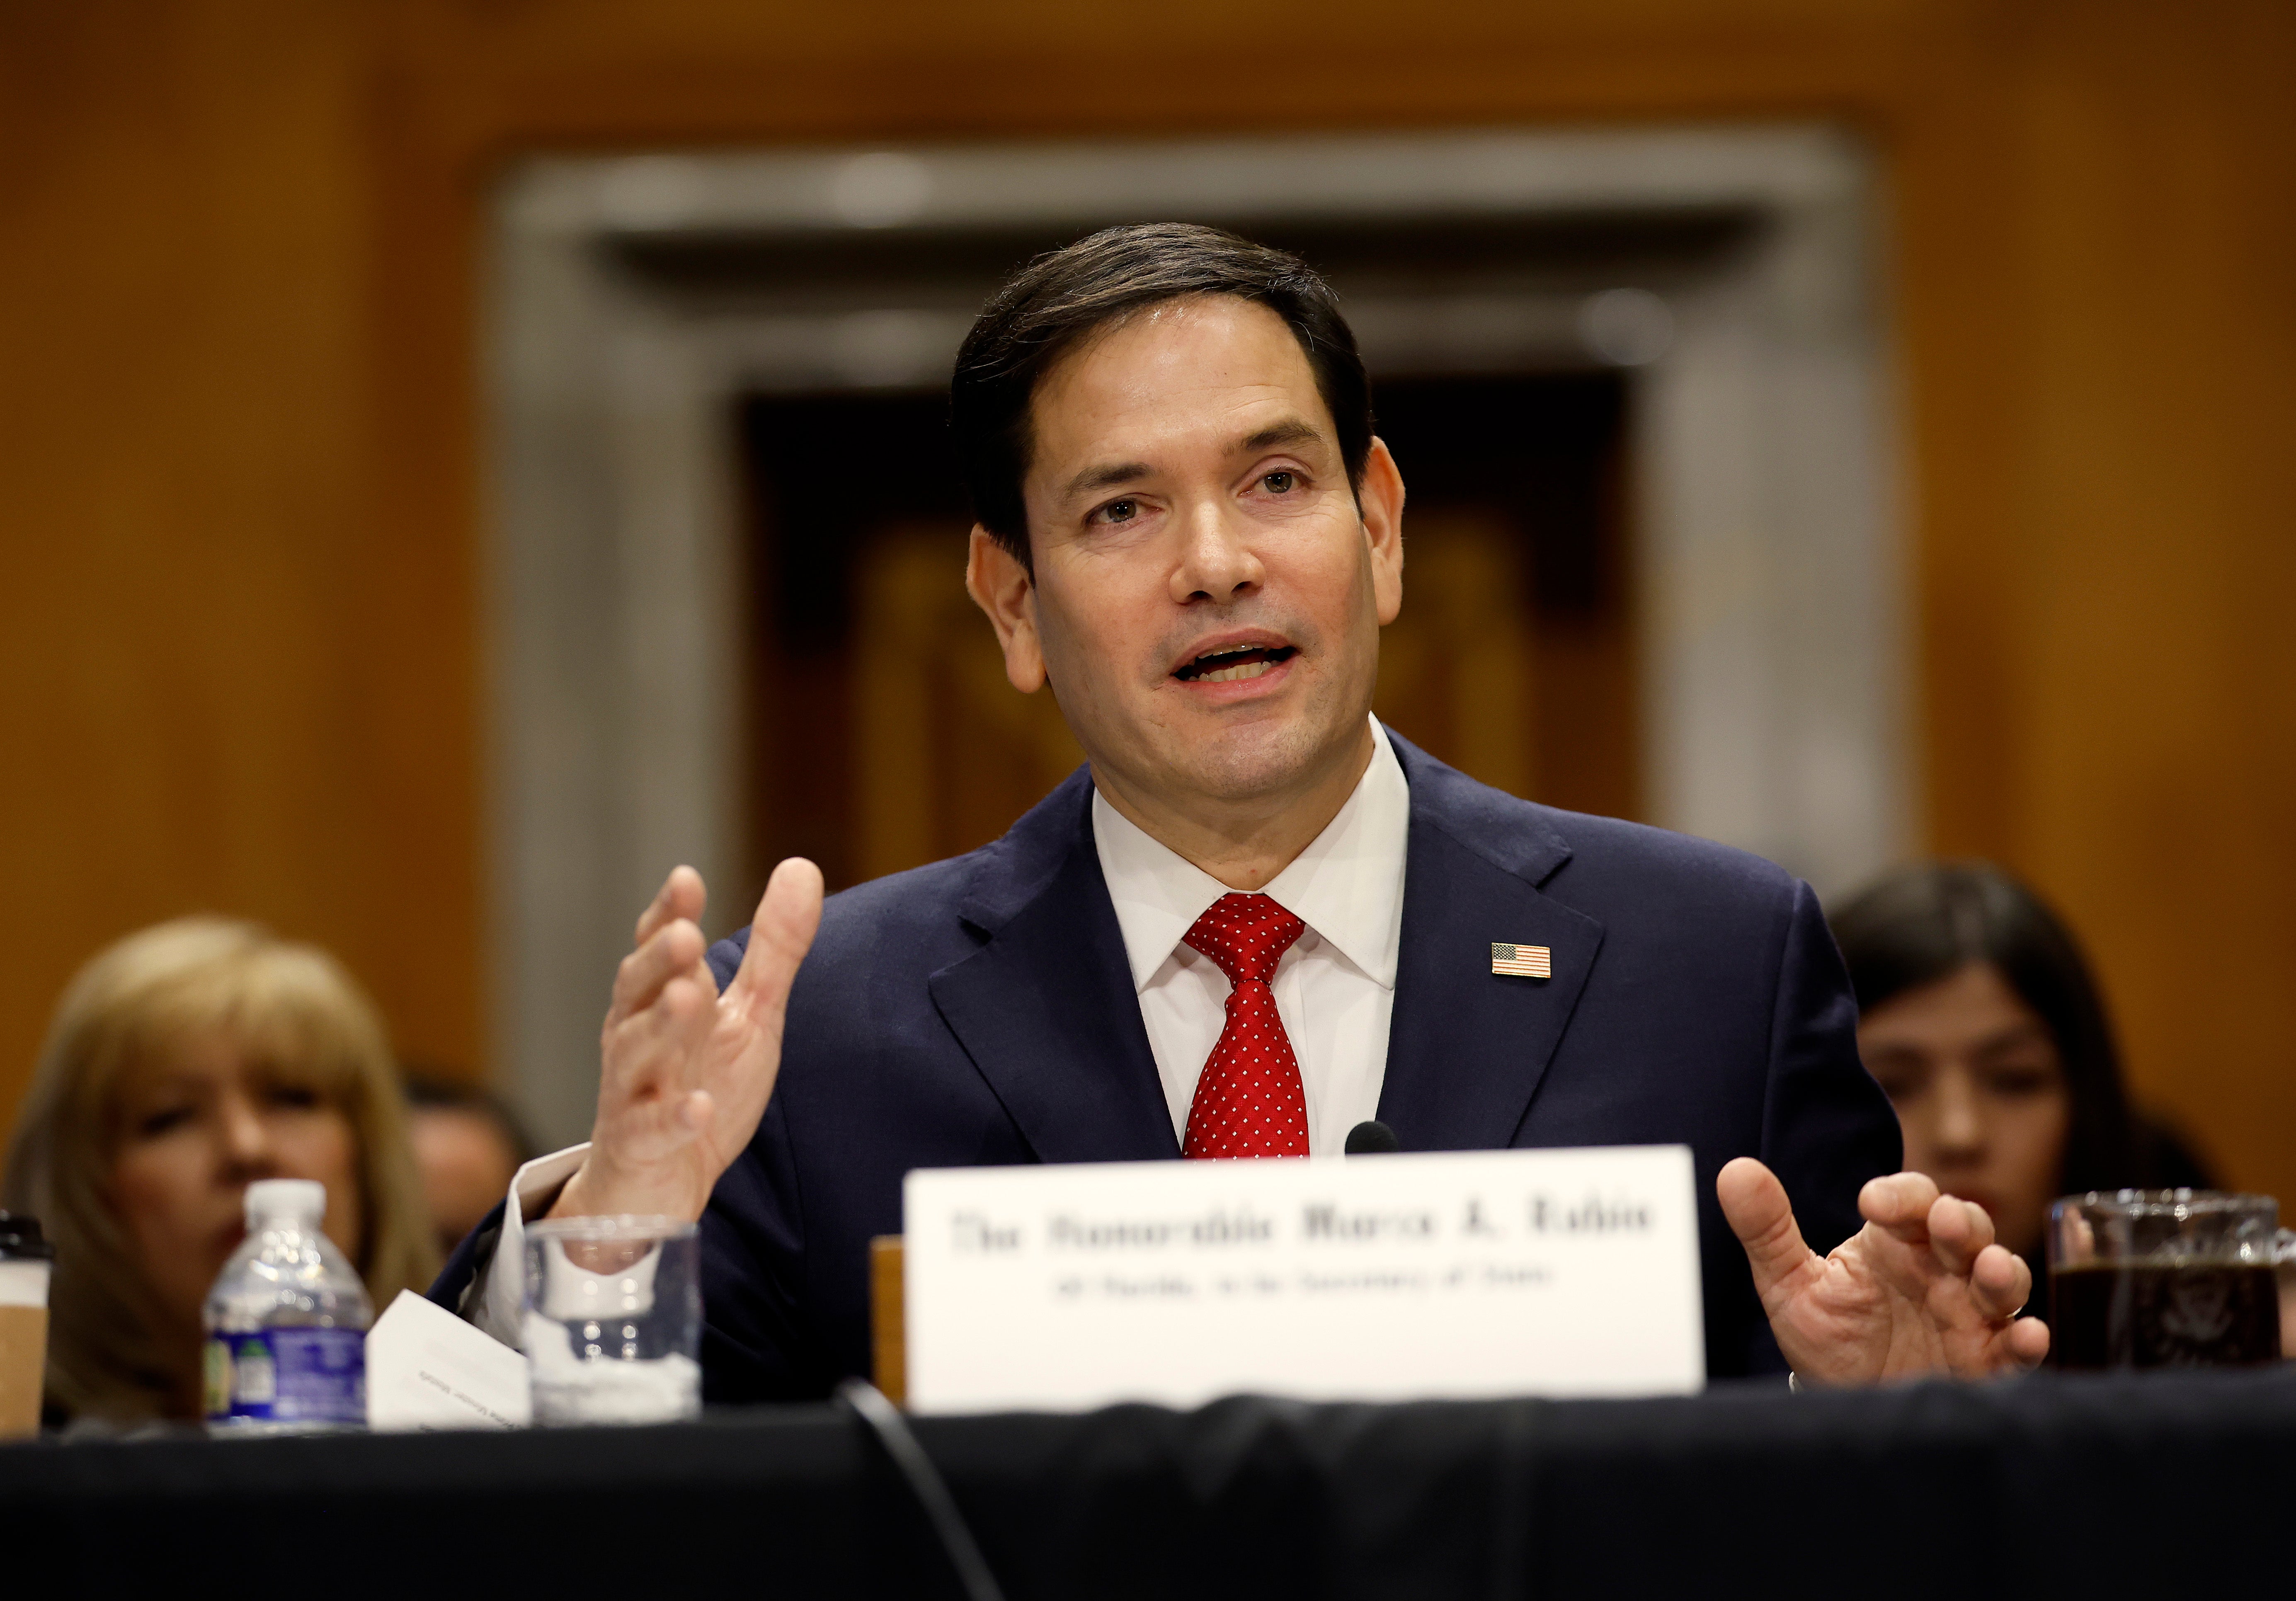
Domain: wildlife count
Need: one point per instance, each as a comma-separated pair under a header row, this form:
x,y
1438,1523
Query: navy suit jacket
x,y
980,1010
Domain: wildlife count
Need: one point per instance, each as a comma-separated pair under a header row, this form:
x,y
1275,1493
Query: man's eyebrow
x,y
1292,430
1107,477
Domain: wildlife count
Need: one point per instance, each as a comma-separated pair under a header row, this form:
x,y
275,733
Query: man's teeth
x,y
1240,669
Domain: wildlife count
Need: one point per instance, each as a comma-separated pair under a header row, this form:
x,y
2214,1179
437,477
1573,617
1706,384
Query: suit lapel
x,y
1046,1011
1046,1008
1467,1047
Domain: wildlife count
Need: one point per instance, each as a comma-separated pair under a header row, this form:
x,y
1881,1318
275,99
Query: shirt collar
x,y
1347,885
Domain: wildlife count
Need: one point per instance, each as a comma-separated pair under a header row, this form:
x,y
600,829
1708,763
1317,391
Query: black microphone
x,y
1373,1138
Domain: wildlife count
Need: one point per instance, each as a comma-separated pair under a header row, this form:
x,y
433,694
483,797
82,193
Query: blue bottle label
x,y
288,1375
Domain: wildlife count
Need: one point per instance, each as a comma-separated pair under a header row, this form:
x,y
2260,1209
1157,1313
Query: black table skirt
x,y
2046,1486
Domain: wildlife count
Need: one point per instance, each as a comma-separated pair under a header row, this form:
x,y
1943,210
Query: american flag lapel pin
x,y
1523,961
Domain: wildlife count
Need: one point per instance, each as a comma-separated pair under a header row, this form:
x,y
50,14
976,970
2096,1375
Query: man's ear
x,y
1001,586
1381,497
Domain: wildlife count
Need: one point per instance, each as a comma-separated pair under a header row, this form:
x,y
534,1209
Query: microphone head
x,y
1373,1138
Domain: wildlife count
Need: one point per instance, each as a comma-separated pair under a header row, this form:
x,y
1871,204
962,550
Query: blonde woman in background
x,y
182,1064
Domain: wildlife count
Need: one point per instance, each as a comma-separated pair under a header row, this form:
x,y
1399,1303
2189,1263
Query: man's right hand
x,y
686,1071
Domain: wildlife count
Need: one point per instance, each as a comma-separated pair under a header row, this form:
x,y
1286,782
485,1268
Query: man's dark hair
x,y
1060,299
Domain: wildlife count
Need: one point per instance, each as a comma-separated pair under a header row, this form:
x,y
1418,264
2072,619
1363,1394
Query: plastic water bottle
x,y
286,1322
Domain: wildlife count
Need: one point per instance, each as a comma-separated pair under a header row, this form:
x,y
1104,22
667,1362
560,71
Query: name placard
x,y
1563,1272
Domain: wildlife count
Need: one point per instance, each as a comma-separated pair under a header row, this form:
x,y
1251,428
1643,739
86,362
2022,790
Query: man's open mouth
x,y
1227,666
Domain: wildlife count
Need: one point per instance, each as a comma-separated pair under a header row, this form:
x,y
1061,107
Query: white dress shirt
x,y
1334,988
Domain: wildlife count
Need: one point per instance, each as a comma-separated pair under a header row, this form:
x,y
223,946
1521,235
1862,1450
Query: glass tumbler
x,y
2164,1279
614,1319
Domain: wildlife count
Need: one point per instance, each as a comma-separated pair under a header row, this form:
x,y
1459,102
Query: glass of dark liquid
x,y
2164,1279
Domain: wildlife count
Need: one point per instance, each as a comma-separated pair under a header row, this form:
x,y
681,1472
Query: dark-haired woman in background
x,y
1978,1016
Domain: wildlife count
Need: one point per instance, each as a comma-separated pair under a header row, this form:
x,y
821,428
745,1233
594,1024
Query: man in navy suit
x,y
1255,916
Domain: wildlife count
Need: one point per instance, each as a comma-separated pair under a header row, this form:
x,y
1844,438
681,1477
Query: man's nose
x,y
1217,560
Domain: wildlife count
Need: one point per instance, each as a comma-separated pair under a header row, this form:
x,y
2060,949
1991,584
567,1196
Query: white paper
x,y
428,1369
1566,1272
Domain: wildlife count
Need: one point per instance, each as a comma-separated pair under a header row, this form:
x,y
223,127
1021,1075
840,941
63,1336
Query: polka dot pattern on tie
x,y
1248,1099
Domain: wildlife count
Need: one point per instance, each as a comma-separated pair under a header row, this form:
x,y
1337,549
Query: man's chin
x,y
1240,764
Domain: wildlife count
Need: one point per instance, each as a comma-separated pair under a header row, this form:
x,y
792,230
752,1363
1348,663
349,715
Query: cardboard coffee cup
x,y
26,1258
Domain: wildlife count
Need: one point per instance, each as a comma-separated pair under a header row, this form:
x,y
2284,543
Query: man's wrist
x,y
598,1191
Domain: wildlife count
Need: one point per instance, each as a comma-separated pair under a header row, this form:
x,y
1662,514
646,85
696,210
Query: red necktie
x,y
1248,1102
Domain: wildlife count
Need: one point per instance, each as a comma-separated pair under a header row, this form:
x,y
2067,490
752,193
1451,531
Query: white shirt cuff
x,y
494,1302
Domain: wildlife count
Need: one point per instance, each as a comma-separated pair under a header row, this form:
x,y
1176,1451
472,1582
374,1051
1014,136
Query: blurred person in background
x,y
468,1146
182,1064
1978,1015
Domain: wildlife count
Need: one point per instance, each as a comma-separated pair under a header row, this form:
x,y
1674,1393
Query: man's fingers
x,y
673,1027
1900,1203
1959,1232
1999,1282
2026,1341
1758,1213
788,916
681,895
669,953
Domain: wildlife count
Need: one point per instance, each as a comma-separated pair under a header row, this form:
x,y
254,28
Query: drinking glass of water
x,y
614,1319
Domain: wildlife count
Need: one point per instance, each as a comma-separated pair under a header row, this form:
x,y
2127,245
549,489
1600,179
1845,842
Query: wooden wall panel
x,y
238,656
208,659
2156,549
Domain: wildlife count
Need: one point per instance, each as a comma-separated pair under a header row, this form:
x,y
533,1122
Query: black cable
x,y
900,1442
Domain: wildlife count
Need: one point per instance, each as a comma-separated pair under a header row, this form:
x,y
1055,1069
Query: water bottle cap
x,y
305,1200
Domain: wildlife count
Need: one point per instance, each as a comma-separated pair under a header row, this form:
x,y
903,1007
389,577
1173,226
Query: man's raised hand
x,y
685,1072
1921,1289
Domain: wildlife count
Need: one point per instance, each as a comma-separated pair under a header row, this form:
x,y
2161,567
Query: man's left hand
x,y
1920,1290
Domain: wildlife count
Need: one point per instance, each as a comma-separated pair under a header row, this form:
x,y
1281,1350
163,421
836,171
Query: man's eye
x,y
1281,483
1117,511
